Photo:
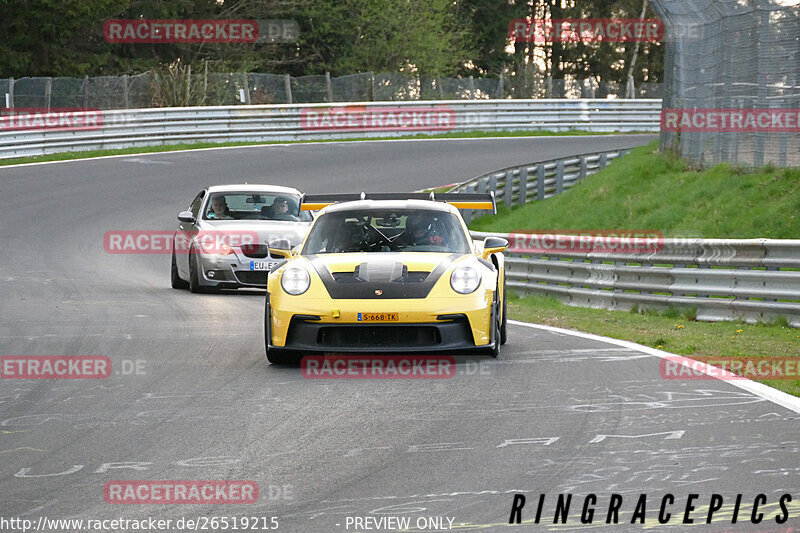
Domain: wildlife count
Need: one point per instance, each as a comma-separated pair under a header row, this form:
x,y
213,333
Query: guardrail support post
x,y
328,88
466,214
86,92
493,183
603,163
540,182
287,87
560,176
371,87
582,171
508,190
48,89
523,186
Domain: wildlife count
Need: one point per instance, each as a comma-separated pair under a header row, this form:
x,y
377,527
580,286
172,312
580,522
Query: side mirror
x,y
280,247
492,245
186,216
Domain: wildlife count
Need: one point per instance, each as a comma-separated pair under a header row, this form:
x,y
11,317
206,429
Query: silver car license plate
x,y
262,265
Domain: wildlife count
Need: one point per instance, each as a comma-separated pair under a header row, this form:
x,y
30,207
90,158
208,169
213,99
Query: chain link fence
x,y
735,66
183,87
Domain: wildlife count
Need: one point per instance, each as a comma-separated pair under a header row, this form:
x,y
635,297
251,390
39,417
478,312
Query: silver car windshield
x,y
410,230
255,206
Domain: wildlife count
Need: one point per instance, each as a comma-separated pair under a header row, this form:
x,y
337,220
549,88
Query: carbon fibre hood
x,y
380,276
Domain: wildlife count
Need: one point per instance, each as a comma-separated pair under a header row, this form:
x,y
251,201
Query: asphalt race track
x,y
556,413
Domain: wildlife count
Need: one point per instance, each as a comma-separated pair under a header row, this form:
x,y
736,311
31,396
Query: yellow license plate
x,y
377,317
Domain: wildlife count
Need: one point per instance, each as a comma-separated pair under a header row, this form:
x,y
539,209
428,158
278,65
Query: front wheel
x,y
177,282
194,280
494,350
504,323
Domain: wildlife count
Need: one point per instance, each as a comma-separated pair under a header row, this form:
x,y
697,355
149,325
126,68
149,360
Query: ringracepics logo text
x,y
585,30
362,118
662,509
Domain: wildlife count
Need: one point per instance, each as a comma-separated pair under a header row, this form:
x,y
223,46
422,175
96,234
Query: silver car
x,y
221,242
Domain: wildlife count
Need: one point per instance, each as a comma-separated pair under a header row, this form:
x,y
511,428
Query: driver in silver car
x,y
219,209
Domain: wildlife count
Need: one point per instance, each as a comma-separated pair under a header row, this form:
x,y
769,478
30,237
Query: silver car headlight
x,y
465,280
295,281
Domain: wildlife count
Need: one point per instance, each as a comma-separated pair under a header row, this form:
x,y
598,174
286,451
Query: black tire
x,y
267,328
194,282
494,350
177,282
504,324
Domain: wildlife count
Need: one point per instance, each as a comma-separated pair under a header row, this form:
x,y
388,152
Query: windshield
x,y
410,230
255,206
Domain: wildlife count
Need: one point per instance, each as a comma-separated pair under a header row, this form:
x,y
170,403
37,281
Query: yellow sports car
x,y
386,273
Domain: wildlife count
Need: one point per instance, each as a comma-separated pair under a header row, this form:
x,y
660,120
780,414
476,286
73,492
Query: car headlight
x,y
218,248
295,281
465,280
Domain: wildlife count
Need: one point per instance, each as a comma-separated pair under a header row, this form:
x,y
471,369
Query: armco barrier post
x,y
467,213
560,176
540,181
523,185
508,190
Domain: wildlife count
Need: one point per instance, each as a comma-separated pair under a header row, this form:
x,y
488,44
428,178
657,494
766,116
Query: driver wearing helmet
x,y
420,231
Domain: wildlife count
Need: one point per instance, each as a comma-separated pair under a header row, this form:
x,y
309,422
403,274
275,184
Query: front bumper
x,y
326,325
313,336
232,270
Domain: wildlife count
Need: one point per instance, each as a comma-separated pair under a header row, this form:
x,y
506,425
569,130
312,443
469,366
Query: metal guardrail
x,y
265,123
757,280
536,181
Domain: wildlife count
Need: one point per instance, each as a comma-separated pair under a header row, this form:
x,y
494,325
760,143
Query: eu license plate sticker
x,y
377,317
261,265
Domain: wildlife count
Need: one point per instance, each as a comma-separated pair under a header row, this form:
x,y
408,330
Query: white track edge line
x,y
759,389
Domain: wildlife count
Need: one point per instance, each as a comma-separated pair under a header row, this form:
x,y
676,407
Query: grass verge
x,y
66,156
671,330
653,191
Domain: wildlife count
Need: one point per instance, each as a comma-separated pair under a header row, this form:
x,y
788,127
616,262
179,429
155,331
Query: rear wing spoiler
x,y
469,200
